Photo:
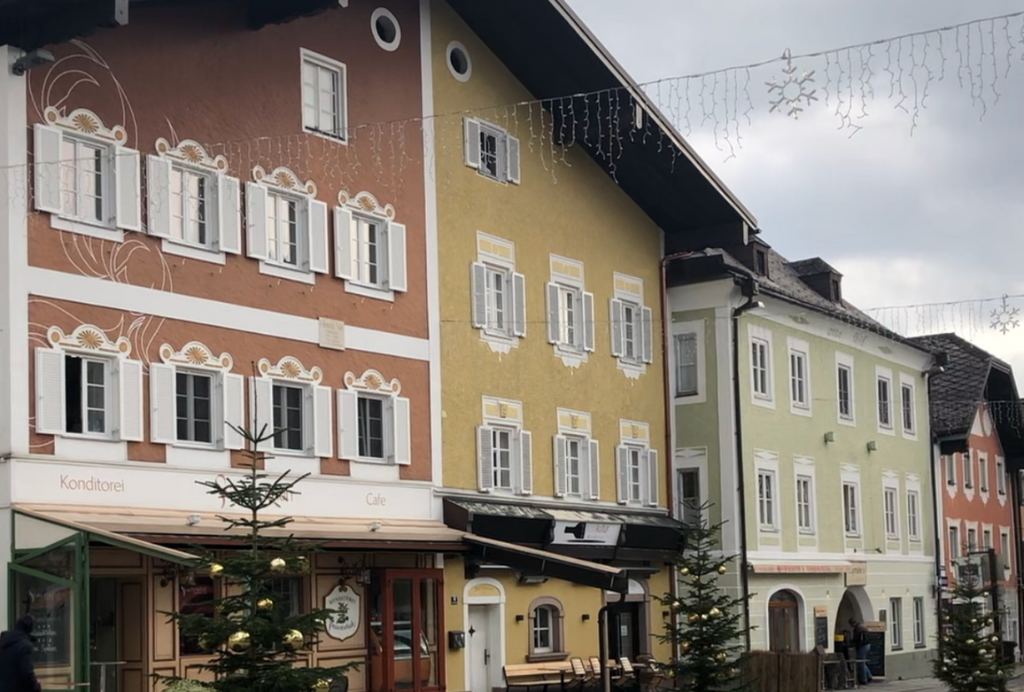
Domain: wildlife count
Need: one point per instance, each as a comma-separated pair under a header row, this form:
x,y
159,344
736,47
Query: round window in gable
x,y
386,31
458,61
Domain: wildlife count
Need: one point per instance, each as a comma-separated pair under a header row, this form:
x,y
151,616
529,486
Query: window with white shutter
x,y
88,393
286,226
84,177
369,248
631,326
498,294
289,409
504,449
575,457
373,421
637,472
570,311
492,151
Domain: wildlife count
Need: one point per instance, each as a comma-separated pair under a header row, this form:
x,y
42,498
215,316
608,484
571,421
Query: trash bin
x,y
1008,653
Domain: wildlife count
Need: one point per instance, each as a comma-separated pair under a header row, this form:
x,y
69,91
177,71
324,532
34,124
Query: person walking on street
x,y
861,646
17,674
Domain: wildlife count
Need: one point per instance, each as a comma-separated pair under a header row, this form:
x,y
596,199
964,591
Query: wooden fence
x,y
784,672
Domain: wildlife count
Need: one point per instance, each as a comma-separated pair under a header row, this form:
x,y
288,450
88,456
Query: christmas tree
x,y
253,642
708,630
971,659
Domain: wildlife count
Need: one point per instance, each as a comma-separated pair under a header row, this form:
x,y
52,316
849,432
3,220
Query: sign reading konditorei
x,y
345,602
90,484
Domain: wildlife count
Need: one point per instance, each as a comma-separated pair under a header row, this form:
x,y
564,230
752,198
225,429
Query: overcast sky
x,y
907,218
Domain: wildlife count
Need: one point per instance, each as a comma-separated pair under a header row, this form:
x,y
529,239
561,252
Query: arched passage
x,y
855,604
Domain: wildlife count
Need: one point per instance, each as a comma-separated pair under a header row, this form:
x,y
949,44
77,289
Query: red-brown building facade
x,y
207,225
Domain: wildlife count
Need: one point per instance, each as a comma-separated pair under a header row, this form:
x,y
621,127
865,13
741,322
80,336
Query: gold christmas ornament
x,y
721,656
321,684
278,565
994,638
695,578
684,571
239,641
685,645
714,612
969,642
676,605
722,569
216,570
265,604
293,640
693,617
703,616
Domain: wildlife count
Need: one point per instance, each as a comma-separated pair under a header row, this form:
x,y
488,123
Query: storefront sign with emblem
x,y
346,602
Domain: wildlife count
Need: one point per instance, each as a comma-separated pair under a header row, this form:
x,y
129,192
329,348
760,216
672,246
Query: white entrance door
x,y
480,644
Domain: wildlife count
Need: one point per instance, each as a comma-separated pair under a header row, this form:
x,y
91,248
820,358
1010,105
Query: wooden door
x,y
133,633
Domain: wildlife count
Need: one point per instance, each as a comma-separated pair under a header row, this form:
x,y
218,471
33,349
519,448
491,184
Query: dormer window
x,y
837,296
761,261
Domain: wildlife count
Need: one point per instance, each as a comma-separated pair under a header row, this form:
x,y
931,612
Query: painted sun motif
x,y
86,123
89,339
367,204
191,153
196,355
373,381
282,179
291,369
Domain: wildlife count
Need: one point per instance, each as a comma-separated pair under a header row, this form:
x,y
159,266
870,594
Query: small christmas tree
x,y
707,630
971,659
254,643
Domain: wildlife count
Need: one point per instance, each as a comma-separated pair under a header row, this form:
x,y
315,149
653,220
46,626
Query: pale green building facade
x,y
833,509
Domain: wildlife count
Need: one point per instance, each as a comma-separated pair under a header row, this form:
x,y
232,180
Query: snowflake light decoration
x,y
792,91
1004,317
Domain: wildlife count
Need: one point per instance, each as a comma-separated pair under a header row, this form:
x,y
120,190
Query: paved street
x,y
929,685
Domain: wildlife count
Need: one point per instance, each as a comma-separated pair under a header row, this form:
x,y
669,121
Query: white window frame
x,y
505,415
537,628
121,174
983,487
575,427
502,432
571,333
497,257
696,329
690,460
799,363
891,510
914,514
919,618
972,536
216,406
896,622
311,225
317,411
886,427
352,217
507,153
340,71
953,538
110,422
396,414
853,521
1006,549
986,537
767,499
951,473
805,503
845,362
1001,478
629,295
761,338
967,462
908,428
634,444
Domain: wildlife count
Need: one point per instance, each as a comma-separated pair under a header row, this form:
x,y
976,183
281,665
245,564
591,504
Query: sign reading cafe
x,y
345,602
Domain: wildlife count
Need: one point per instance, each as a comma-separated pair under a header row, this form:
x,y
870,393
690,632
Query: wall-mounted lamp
x,y
872,446
586,617
520,618
830,437
665,613
194,519
26,62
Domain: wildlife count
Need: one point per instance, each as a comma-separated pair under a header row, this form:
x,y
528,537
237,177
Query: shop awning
x,y
172,527
547,564
30,533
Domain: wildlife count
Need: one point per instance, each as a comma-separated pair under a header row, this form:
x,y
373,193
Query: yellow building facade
x,y
551,371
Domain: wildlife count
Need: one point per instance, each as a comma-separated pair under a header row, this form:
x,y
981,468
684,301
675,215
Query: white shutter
x,y
261,409
127,189
485,457
647,334
50,410
318,248
622,471
256,220
652,477
229,215
595,471
348,424
525,463
343,244
162,404
615,315
471,137
518,304
588,321
158,197
513,159
479,281
554,314
48,146
131,423
397,271
558,455
403,433
323,431
234,410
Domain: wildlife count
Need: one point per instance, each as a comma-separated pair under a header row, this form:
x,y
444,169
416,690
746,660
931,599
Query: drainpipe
x,y
750,291
1014,481
938,523
602,624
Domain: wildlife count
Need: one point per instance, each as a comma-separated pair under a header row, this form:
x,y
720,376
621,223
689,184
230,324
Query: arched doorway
x,y
784,621
855,604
